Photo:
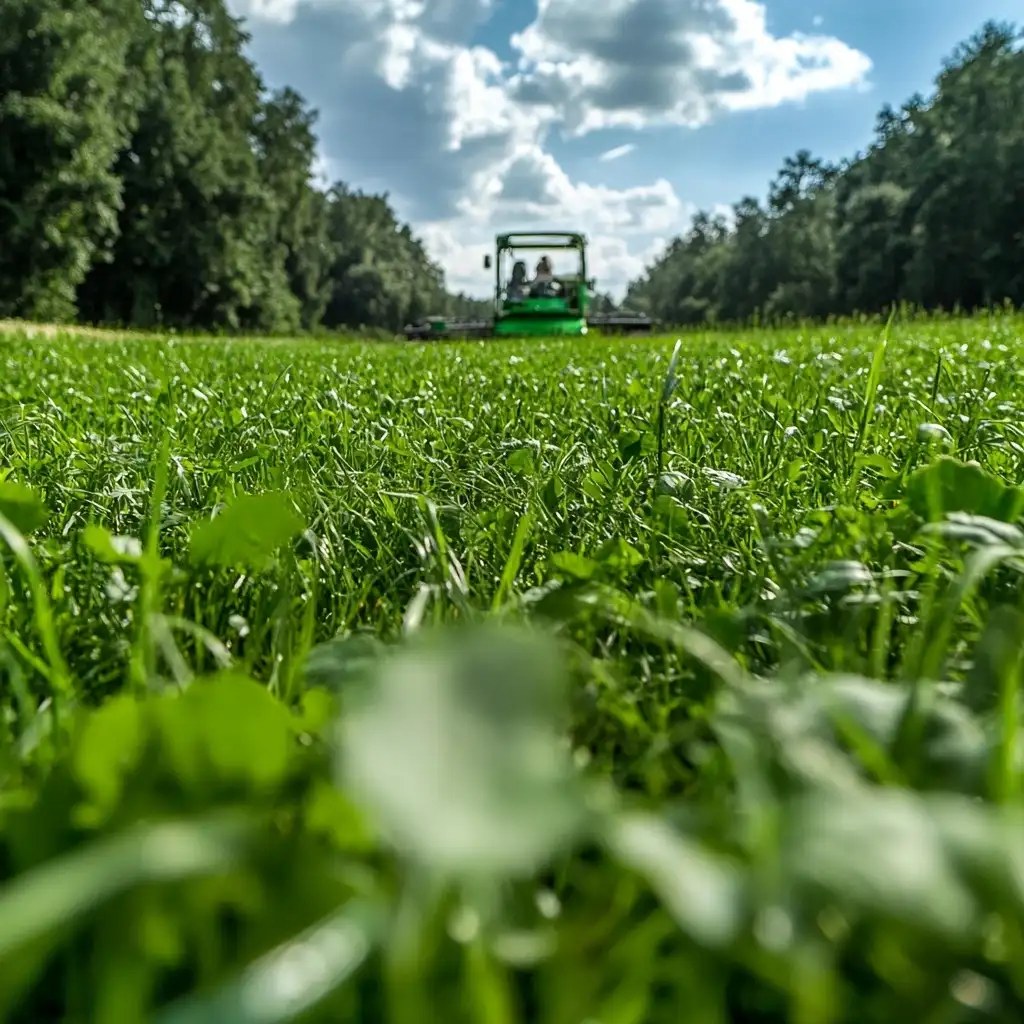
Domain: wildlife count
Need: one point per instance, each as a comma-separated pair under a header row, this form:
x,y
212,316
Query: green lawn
x,y
558,682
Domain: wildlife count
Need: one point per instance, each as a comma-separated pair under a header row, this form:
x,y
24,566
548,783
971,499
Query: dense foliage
x,y
148,178
745,746
931,215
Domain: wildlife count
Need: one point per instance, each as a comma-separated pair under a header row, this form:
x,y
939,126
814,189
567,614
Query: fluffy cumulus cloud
x,y
631,63
460,138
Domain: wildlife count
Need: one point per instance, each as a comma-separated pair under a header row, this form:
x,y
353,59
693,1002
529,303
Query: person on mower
x,y
517,284
544,281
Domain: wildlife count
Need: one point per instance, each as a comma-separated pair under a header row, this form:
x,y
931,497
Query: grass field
x,y
574,682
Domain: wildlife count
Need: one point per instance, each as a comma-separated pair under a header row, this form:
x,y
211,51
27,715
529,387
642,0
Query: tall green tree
x,y
932,213
197,222
286,146
67,103
968,228
381,275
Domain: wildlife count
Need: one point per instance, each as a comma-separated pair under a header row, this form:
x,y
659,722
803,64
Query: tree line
x,y
149,178
931,215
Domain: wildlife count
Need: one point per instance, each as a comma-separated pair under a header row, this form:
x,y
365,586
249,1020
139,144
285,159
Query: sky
x,y
618,118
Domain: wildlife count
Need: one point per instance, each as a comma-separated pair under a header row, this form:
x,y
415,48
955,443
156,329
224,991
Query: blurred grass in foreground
x,y
559,682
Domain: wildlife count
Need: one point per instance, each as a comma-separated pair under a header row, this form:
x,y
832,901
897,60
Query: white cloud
x,y
277,12
631,63
617,153
530,191
458,138
534,187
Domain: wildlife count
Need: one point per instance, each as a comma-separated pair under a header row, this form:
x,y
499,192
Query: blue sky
x,y
484,115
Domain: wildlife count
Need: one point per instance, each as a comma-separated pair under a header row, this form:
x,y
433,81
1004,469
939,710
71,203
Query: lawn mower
x,y
553,303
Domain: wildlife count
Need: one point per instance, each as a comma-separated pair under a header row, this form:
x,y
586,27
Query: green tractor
x,y
552,304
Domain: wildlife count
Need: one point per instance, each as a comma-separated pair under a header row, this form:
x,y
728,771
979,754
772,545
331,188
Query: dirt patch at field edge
x,y
32,330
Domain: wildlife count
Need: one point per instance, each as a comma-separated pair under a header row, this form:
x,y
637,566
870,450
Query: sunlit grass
x,y
782,617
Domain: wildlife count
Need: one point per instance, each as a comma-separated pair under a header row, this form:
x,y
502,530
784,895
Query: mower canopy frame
x,y
564,312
